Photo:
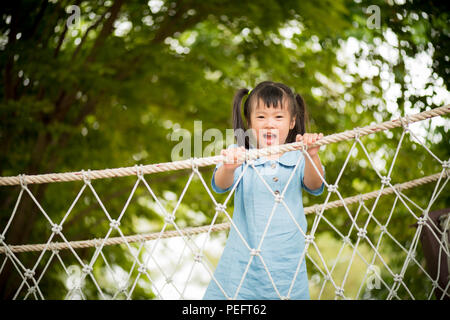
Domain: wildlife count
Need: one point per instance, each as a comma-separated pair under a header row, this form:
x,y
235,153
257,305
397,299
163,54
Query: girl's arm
x,y
224,176
311,179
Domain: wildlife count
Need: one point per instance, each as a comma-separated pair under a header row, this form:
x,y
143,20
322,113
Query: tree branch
x,y
9,66
106,30
60,41
91,27
176,23
31,31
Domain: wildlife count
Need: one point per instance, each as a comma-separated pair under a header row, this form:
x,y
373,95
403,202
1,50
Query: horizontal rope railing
x,y
207,161
216,227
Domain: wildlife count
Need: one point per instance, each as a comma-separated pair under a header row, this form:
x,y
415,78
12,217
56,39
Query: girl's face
x,y
271,125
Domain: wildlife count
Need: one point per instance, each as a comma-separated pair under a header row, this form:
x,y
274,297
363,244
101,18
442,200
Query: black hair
x,y
271,94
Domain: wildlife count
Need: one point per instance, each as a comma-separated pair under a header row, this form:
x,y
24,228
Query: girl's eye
x,y
260,117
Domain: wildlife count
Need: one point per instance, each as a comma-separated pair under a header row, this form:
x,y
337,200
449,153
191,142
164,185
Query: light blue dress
x,y
283,244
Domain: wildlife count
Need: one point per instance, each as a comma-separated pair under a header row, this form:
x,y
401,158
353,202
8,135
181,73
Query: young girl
x,y
264,259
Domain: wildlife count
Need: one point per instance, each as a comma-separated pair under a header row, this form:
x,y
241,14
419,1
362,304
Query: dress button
x,y
277,192
273,165
275,179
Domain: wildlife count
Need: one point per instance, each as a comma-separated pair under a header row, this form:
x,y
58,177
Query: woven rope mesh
x,y
388,243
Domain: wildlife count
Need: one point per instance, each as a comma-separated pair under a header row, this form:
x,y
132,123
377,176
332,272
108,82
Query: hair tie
x,y
249,91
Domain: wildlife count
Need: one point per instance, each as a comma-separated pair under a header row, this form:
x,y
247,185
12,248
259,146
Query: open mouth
x,y
269,137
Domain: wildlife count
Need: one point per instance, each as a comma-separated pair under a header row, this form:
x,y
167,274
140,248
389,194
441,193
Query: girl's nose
x,y
270,123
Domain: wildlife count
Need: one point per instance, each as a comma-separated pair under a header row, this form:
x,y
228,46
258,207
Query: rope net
x,y
389,243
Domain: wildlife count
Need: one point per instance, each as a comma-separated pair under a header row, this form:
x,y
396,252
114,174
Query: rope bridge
x,y
329,277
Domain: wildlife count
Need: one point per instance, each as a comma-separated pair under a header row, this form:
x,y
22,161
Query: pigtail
x,y
238,122
302,116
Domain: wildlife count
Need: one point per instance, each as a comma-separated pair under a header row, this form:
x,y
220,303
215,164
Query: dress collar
x,y
289,158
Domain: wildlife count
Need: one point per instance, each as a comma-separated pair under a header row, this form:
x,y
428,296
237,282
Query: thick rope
x,y
217,227
207,161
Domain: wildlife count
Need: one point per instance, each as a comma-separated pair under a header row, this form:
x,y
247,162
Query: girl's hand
x,y
234,157
309,139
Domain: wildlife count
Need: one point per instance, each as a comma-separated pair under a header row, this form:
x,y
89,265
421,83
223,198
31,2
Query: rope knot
x,y
405,122
278,198
385,180
302,146
317,208
86,176
220,207
285,298
32,290
326,278
250,162
98,242
114,224
383,229
194,165
255,252
372,268
398,278
198,257
56,228
421,221
357,134
142,269
87,269
29,273
446,164
141,238
248,155
2,238
123,289
169,219
346,240
339,292
309,239
360,199
362,233
332,188
23,181
139,171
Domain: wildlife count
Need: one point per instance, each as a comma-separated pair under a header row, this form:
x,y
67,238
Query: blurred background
x,y
106,84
